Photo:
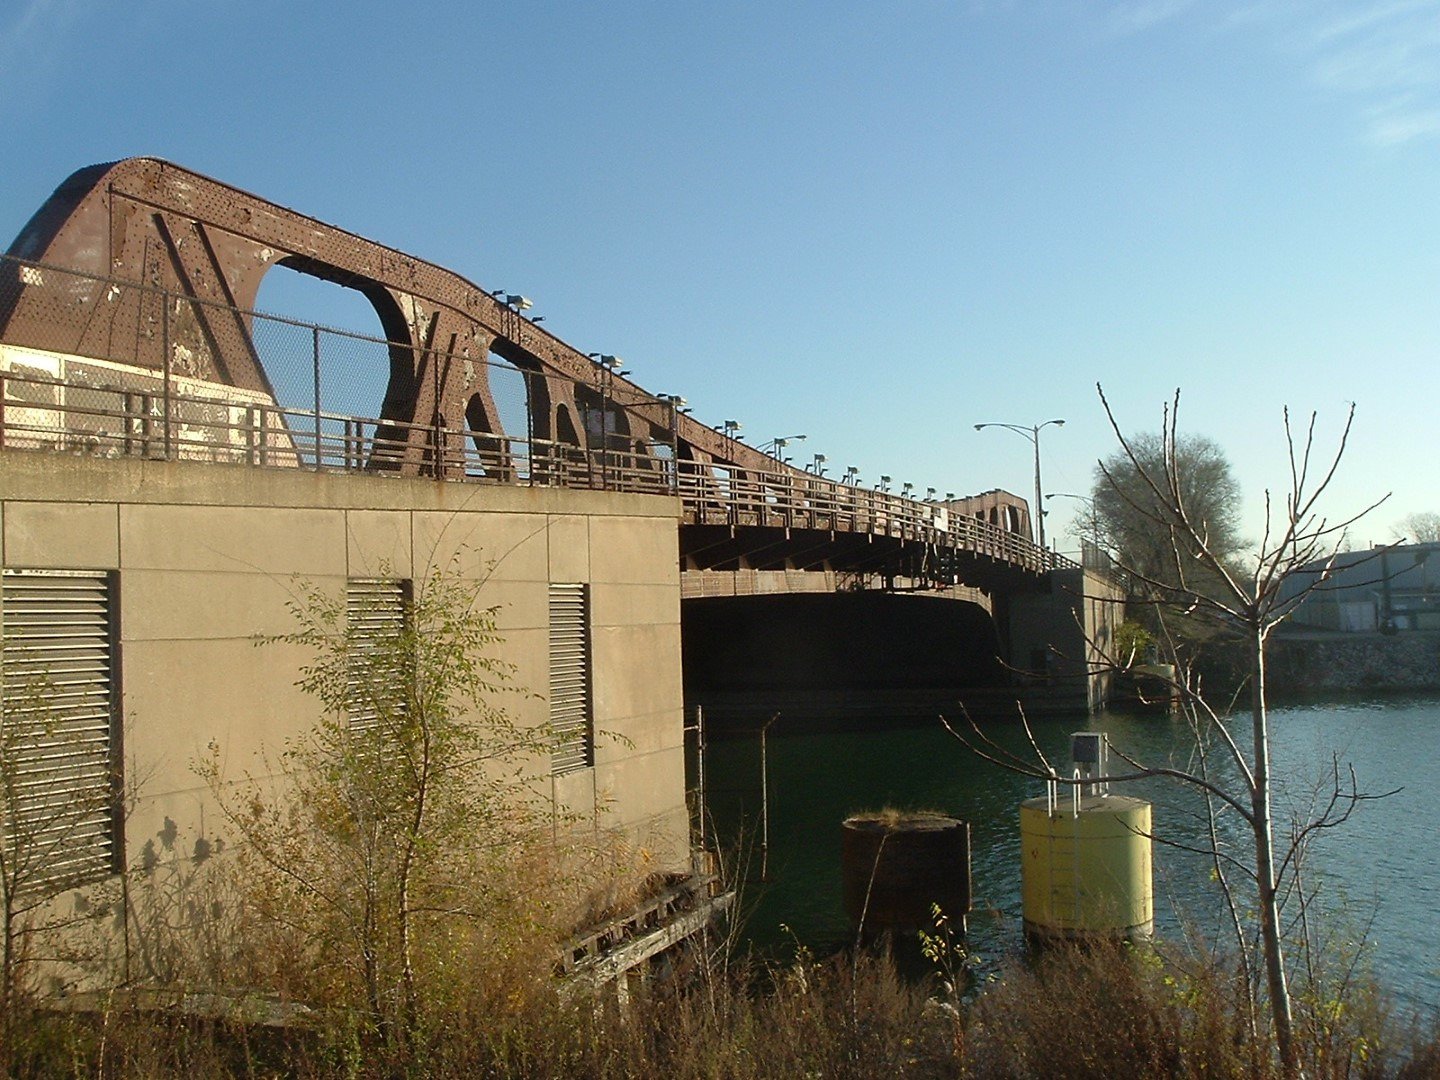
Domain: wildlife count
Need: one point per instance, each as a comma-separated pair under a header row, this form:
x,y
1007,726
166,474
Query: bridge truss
x,y
127,329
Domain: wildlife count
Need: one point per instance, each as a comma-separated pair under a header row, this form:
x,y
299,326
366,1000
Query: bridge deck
x,y
63,400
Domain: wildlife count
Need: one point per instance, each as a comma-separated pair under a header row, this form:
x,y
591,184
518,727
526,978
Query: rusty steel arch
x,y
149,222
153,223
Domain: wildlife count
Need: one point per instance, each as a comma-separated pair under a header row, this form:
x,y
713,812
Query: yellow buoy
x,y
1085,866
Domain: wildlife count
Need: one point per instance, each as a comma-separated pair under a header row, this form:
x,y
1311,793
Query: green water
x,y
1382,867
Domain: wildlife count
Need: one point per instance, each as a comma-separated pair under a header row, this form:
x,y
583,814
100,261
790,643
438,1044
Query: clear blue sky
x,y
875,223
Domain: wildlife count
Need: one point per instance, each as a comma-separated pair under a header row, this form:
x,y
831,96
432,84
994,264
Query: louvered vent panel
x,y
570,679
59,722
375,611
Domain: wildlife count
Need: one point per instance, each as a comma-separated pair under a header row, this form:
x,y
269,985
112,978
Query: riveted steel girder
x,y
184,235
150,222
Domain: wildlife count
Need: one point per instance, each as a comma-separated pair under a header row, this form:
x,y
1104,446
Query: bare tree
x,y
1419,528
1121,509
1197,575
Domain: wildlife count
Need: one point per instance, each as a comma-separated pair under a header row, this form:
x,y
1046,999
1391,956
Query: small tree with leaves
x,y
398,807
1188,569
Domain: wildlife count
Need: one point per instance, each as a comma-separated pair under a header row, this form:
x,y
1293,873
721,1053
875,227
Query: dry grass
x,y
1070,1014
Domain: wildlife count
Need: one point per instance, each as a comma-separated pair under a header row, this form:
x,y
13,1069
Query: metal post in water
x,y
700,766
765,799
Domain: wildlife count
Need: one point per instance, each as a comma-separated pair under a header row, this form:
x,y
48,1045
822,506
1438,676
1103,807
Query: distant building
x,y
1390,589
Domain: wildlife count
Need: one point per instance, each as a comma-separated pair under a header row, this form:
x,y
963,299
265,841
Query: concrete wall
x,y
1058,637
208,555
1298,662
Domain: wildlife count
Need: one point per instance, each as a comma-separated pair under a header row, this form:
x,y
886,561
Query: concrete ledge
x,y
43,476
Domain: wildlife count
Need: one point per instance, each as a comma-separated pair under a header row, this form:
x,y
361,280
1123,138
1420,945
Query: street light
x,y
777,444
730,427
513,301
612,364
852,475
818,465
884,483
1033,434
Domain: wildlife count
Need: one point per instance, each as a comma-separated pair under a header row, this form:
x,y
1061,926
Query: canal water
x,y
1380,870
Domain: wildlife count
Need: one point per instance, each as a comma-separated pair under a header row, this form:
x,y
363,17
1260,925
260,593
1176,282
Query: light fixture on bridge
x,y
613,364
949,496
818,465
730,427
776,445
906,488
852,475
929,494
884,483
514,301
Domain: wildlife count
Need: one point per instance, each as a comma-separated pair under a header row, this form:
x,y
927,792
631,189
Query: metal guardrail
x,y
62,401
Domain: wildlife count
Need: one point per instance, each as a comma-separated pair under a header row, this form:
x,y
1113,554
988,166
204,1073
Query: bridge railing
x,y
60,393
717,495
123,416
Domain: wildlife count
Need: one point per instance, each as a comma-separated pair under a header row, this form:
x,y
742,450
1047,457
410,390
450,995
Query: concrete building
x,y
1386,588
140,587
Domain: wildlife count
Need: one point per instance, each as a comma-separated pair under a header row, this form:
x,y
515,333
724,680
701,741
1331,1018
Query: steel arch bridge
x,y
127,314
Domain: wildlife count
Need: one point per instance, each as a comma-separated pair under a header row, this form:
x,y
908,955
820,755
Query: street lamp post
x,y
1032,432
1086,558
776,446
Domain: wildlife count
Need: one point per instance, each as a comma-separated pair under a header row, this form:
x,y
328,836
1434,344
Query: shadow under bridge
x,y
844,659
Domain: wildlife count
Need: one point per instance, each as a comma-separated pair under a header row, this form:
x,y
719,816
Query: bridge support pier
x,y
1056,637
